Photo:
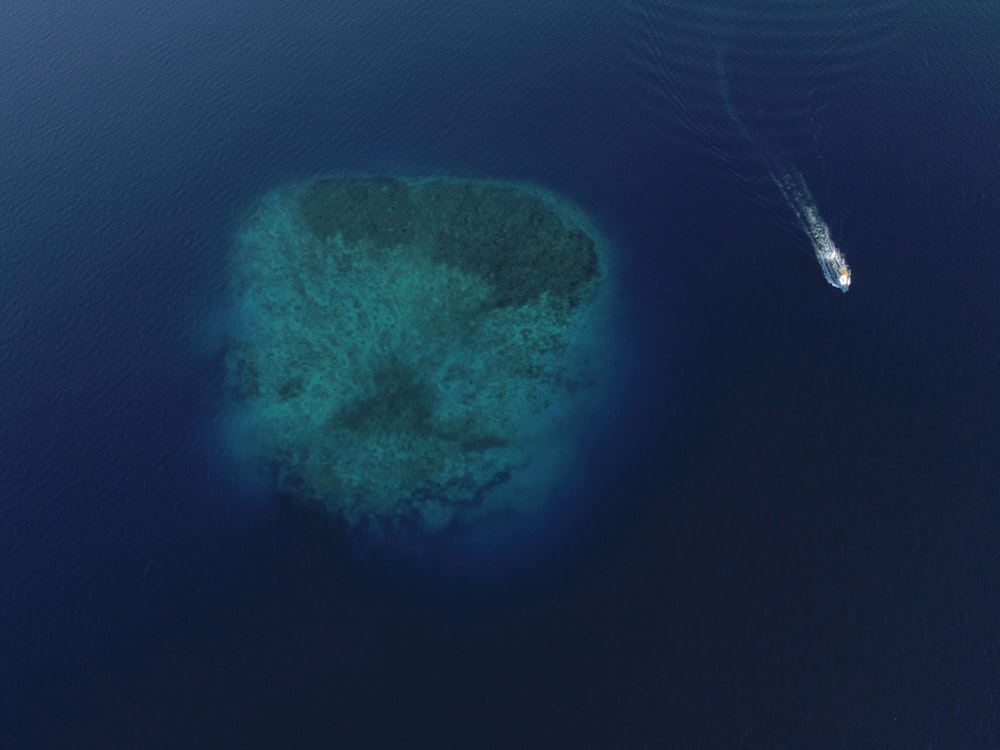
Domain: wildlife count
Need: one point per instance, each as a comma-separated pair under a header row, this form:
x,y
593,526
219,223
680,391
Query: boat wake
x,y
831,260
796,194
781,66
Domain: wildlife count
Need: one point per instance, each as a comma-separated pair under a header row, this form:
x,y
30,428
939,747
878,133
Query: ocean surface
x,y
792,539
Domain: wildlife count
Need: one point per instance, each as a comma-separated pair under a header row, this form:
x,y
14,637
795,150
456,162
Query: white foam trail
x,y
831,260
795,191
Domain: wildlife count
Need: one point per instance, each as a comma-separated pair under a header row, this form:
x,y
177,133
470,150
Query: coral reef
x,y
414,349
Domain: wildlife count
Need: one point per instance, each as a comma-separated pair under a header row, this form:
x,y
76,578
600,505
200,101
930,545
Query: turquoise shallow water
x,y
421,356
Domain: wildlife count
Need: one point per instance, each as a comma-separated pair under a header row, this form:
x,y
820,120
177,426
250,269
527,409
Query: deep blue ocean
x,y
794,539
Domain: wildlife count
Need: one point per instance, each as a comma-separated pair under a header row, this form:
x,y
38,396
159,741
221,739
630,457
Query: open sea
x,y
792,533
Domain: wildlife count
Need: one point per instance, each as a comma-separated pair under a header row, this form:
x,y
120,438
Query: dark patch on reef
x,y
401,402
245,375
511,238
376,209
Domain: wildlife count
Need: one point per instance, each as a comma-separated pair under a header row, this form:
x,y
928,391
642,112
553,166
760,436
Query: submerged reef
x,y
419,354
